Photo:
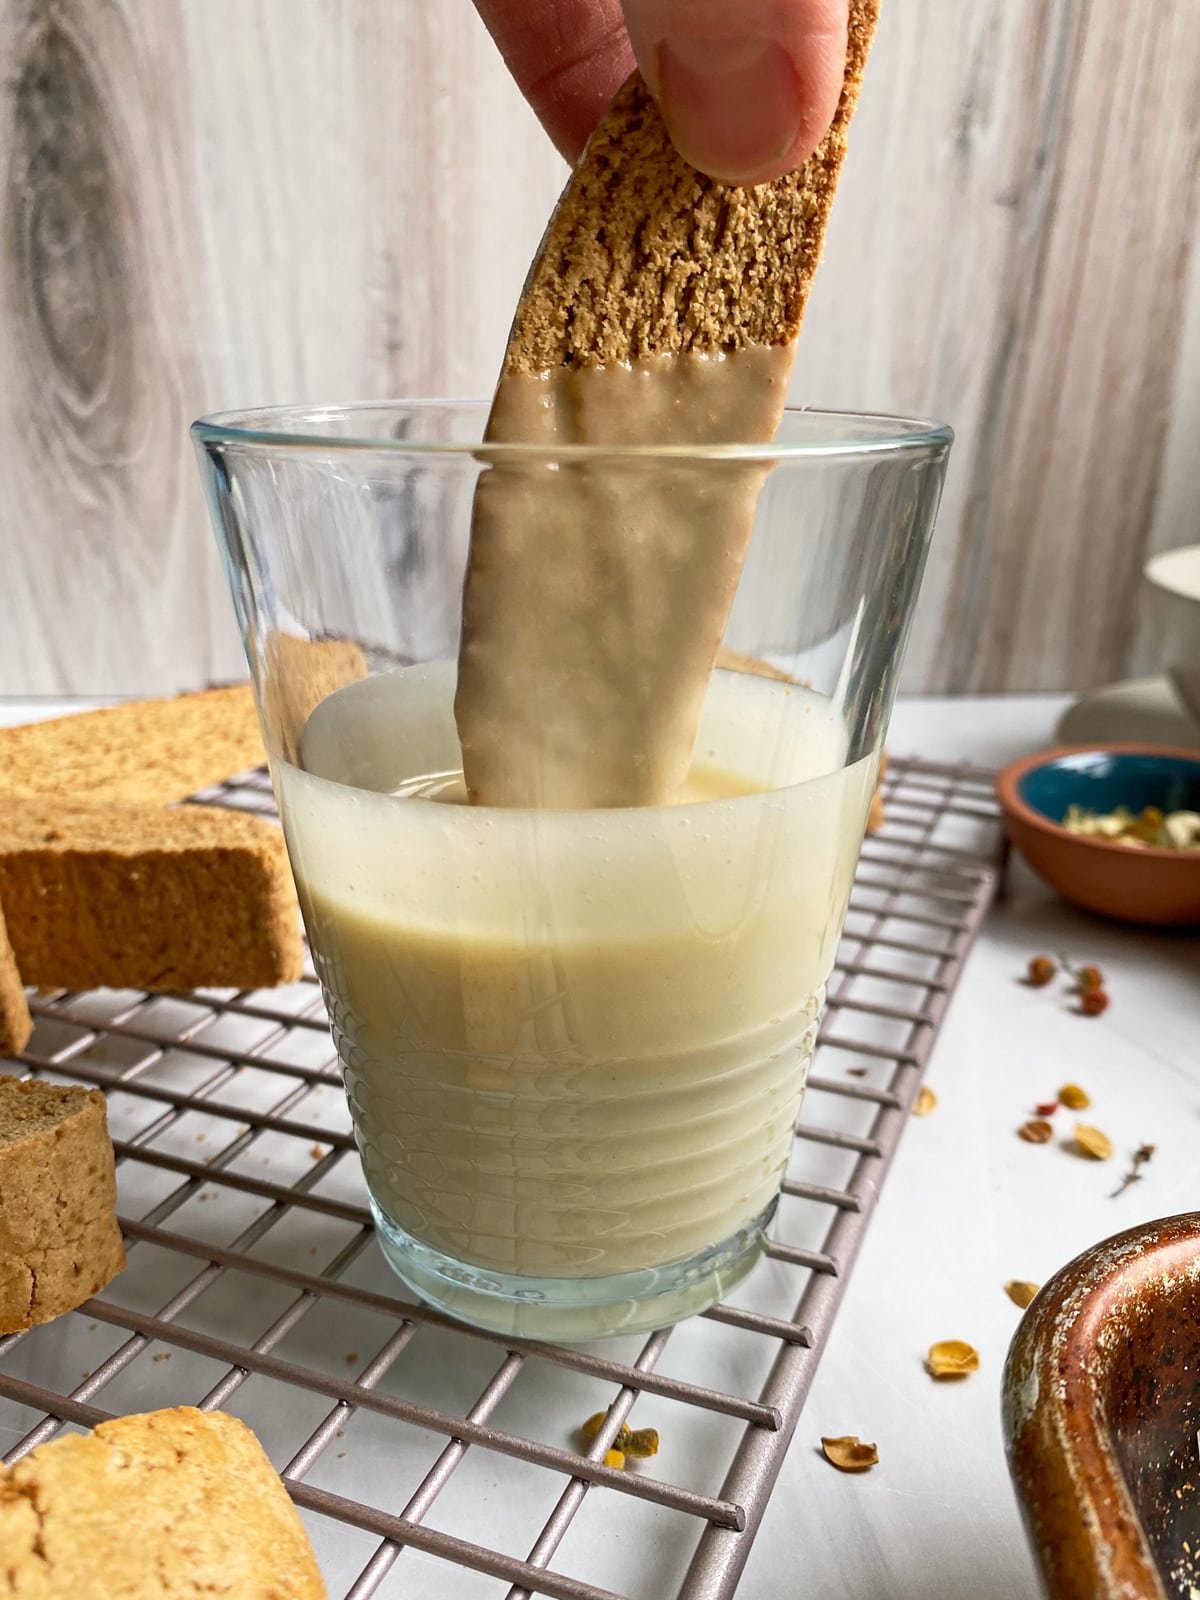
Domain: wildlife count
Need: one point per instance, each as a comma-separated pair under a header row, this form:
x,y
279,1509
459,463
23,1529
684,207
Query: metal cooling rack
x,y
427,1458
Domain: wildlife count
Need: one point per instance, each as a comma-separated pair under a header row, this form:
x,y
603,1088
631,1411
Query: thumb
x,y
748,88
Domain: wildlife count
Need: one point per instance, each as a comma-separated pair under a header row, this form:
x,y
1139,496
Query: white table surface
x,y
967,1207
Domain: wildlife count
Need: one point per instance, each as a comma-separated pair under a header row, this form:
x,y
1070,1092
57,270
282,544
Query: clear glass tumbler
x,y
574,1041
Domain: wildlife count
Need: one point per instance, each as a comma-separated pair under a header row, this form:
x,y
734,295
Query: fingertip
x,y
746,106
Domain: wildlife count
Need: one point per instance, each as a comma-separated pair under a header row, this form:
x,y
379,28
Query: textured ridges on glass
x,y
922,890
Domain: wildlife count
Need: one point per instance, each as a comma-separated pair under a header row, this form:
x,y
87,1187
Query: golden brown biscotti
x,y
59,1239
147,897
300,673
145,750
16,1025
645,256
151,1507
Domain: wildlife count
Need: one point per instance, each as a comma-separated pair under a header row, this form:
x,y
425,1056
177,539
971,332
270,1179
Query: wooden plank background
x,y
210,203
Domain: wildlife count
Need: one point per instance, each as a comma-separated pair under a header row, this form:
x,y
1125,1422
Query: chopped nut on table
x,y
952,1358
849,1454
1091,1142
1020,1291
1038,1131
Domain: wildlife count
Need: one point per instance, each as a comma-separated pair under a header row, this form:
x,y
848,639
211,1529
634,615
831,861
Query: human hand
x,y
747,88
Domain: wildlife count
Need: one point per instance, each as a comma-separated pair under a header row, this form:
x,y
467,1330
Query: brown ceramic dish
x,y
1101,1411
1145,885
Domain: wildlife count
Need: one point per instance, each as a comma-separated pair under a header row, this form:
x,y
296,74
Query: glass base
x,y
572,1309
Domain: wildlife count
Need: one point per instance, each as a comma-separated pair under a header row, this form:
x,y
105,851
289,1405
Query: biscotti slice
x,y
663,309
168,1503
144,750
59,1239
16,1025
300,673
147,897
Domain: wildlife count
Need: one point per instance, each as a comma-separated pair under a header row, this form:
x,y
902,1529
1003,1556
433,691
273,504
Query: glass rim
x,y
255,429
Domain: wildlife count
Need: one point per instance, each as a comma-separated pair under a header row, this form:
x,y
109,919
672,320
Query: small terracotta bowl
x,y
1101,1411
1148,885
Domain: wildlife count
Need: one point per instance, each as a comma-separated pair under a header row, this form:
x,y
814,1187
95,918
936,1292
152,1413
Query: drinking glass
x,y
574,1041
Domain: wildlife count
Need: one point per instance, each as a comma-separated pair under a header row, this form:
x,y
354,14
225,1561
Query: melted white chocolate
x,y
575,1041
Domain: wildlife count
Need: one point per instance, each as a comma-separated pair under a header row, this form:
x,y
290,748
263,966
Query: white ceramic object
x,y
1174,579
1138,711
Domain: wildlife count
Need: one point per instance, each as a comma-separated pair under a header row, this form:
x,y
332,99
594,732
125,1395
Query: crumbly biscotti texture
x,y
59,1239
145,750
147,897
645,256
150,1507
16,1025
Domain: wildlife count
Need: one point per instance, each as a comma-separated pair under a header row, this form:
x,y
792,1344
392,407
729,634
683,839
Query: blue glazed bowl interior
x,y
1102,780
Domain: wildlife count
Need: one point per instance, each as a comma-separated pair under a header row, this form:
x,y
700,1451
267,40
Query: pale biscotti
x,y
168,1503
16,1024
147,897
145,750
59,1239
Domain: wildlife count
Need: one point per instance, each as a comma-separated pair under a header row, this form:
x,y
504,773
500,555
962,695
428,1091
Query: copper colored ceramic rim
x,y
1008,783
1080,1516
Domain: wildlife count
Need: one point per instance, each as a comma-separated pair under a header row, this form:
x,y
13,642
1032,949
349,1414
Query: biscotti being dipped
x,y
59,1239
146,897
177,1503
662,309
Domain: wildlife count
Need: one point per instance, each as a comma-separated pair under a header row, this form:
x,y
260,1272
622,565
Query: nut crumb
x,y
849,1453
925,1102
1020,1291
1038,1131
1092,1143
951,1358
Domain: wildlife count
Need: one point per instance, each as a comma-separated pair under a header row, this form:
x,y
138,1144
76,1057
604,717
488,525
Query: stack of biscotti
x,y
168,1503
105,883
59,1239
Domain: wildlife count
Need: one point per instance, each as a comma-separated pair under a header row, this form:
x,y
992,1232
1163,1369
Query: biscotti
x,y
59,1239
300,673
150,1507
147,897
662,310
144,750
645,256
16,1025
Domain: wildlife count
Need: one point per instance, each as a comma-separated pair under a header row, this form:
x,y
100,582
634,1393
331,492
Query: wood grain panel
x,y
1010,251
214,203
96,352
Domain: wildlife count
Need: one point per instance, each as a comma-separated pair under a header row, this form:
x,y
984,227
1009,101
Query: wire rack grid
x,y
428,1458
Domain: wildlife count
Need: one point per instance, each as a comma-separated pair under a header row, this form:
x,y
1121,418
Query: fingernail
x,y
732,105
